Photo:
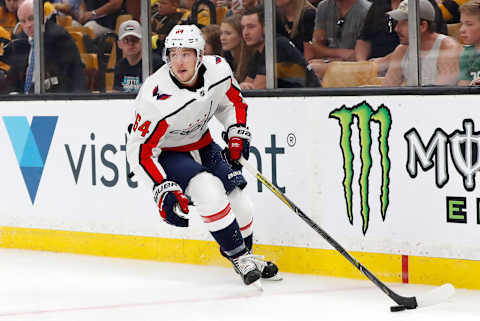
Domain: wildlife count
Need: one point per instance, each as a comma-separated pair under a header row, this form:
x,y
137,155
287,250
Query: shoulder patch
x,y
159,96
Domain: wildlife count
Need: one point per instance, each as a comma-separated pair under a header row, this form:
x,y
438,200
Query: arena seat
x,y
83,30
109,74
64,21
120,19
78,38
350,74
90,61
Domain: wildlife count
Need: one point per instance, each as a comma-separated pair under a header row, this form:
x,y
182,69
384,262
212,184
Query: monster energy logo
x,y
464,150
364,115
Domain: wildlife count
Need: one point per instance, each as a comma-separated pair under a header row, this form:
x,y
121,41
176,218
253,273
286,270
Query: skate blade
x,y
274,278
258,285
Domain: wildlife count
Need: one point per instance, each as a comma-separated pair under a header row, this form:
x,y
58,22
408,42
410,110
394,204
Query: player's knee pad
x,y
243,208
208,195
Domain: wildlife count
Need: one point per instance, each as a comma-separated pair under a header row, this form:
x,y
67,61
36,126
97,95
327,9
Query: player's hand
x,y
172,203
238,139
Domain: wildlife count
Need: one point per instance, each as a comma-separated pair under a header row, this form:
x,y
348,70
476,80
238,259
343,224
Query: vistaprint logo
x,y
31,144
365,117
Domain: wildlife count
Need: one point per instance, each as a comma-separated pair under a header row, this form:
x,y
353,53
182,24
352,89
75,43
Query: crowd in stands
x,y
96,45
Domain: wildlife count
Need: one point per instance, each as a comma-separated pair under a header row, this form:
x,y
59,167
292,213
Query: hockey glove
x,y
172,203
238,139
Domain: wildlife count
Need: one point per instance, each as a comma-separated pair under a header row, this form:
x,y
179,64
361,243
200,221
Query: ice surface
x,y
47,286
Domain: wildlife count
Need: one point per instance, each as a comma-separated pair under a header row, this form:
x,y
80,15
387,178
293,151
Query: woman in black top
x,y
296,20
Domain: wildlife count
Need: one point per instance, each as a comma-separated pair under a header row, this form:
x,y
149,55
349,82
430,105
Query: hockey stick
x,y
436,295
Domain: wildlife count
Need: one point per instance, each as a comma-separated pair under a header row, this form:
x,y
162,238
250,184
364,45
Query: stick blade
x,y
439,294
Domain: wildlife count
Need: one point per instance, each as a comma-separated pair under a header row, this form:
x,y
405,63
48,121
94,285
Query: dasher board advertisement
x,y
381,174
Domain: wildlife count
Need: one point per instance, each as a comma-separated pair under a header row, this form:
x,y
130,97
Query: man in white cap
x,y
439,53
128,71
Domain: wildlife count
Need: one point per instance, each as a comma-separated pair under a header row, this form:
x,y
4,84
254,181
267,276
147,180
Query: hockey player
x,y
170,145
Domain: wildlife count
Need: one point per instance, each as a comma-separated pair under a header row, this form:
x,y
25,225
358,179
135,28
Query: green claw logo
x,y
365,115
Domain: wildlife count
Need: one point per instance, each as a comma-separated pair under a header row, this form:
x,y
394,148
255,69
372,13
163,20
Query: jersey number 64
x,y
143,127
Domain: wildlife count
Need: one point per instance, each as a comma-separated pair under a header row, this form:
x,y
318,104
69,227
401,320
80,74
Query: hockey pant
x,y
216,191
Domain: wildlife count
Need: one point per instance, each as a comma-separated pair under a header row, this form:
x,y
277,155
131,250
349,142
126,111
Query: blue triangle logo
x,y
31,145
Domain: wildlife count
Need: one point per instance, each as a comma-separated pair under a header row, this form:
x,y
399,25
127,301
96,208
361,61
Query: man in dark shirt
x,y
128,71
291,66
64,70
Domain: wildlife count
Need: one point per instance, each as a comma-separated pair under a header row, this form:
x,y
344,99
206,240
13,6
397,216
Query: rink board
x,y
414,158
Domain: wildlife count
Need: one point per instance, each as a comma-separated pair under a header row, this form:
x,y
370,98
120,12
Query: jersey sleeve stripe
x,y
235,97
150,165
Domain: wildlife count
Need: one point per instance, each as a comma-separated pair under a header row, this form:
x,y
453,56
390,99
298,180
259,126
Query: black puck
x,y
397,308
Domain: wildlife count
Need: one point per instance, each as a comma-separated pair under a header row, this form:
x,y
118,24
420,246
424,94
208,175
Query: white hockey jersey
x,y
170,117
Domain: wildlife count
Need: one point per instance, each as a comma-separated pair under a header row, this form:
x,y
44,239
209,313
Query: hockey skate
x,y
268,269
246,267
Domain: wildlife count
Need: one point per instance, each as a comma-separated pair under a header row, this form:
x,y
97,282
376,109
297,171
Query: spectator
x,y
291,66
234,47
439,53
64,70
187,4
128,71
203,12
4,42
440,24
297,17
470,35
100,15
166,16
450,10
242,6
211,34
134,8
68,8
337,26
8,14
378,38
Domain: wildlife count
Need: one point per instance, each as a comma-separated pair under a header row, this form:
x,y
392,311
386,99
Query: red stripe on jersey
x,y
204,141
217,216
233,94
146,152
246,226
